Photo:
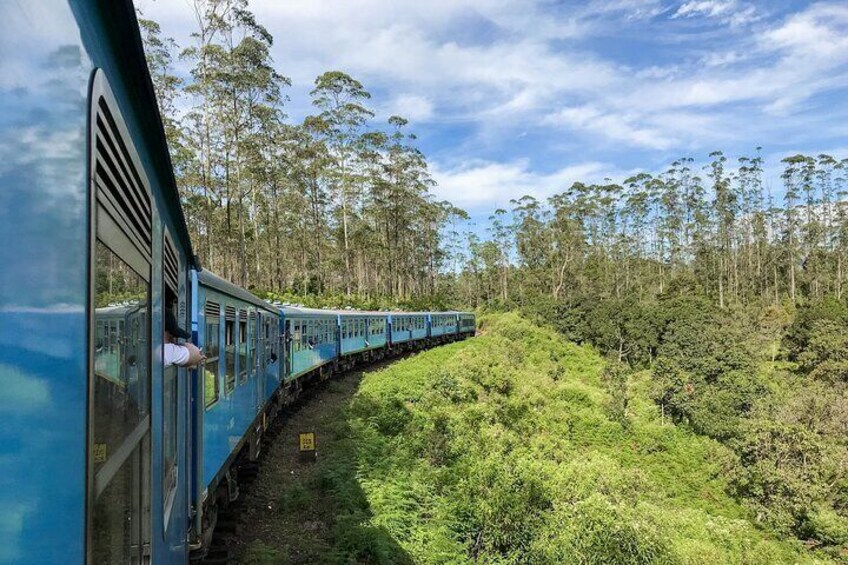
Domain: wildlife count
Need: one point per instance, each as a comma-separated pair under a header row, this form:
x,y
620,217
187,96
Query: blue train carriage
x,y
408,330
467,323
443,326
95,439
241,377
311,337
363,336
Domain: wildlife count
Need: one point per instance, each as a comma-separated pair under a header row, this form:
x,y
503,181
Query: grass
x,y
503,449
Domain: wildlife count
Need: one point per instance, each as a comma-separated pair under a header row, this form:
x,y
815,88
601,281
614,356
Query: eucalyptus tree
x,y
340,99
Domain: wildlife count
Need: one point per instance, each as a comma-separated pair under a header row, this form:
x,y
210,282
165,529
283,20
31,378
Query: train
x,y
106,455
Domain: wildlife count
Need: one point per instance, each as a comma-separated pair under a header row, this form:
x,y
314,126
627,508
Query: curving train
x,y
106,455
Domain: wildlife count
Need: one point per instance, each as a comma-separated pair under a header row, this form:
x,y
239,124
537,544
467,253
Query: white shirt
x,y
175,354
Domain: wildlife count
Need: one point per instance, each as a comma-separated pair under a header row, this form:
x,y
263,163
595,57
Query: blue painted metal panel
x,y
408,327
226,421
43,283
442,323
356,333
306,353
308,359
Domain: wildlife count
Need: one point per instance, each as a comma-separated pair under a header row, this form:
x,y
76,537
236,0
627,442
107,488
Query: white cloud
x,y
728,11
617,126
499,67
483,185
412,107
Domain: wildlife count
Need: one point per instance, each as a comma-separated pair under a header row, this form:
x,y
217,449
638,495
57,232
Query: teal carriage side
x,y
94,450
443,324
311,338
362,332
466,323
239,335
407,327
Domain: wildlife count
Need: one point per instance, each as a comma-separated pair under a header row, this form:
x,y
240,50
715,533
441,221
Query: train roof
x,y
211,280
366,313
303,311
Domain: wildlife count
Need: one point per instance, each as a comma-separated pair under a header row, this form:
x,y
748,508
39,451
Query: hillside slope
x,y
507,449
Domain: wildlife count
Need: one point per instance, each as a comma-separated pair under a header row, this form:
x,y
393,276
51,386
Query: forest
x,y
727,290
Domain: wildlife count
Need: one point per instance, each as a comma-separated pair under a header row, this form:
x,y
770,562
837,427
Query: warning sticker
x,y
307,441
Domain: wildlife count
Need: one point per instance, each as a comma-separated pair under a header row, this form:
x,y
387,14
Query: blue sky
x,y
514,97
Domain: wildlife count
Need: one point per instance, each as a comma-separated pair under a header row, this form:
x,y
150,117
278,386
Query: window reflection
x,y
210,366
120,428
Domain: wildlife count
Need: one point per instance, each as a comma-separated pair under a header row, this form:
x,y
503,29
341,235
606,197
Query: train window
x,y
211,347
230,350
252,338
266,340
296,336
121,399
242,346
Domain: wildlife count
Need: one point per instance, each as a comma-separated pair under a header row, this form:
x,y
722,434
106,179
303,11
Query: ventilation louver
x,y
171,264
213,310
120,190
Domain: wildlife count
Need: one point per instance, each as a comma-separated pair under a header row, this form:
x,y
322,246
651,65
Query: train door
x,y
287,348
171,462
119,450
261,333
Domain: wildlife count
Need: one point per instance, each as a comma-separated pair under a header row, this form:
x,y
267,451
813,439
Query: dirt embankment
x,y
285,514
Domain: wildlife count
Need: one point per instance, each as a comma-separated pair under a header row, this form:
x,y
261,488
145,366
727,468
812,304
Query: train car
x,y
408,327
238,332
443,325
312,340
362,332
466,323
95,443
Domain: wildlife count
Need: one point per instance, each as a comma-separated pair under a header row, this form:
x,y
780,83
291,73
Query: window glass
x,y
120,428
229,356
296,343
251,344
121,371
242,345
211,386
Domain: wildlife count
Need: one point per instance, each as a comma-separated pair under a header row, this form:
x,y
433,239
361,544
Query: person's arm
x,y
187,355
195,356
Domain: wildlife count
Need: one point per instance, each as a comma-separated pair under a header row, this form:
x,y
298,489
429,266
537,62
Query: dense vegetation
x,y
515,447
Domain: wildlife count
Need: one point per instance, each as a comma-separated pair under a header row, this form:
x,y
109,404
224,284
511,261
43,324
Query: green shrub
x,y
519,447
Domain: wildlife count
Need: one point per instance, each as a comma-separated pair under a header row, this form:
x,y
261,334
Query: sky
x,y
515,97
